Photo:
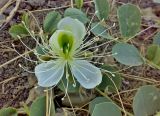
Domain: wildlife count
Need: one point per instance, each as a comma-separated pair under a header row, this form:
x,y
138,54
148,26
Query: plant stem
x,y
47,97
72,4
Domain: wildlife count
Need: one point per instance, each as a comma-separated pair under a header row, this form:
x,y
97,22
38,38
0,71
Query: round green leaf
x,y
18,30
129,17
99,30
71,89
153,54
146,101
51,21
38,107
156,39
106,109
127,54
96,101
76,14
107,82
8,112
79,3
102,8
26,19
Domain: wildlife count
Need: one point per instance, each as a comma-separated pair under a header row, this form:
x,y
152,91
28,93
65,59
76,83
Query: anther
x,y
113,75
19,37
12,44
20,65
23,22
96,39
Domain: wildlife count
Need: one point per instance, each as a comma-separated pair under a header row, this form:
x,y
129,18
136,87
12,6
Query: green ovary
x,y
66,41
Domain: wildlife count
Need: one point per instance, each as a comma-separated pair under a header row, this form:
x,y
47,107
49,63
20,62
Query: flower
x,y
65,44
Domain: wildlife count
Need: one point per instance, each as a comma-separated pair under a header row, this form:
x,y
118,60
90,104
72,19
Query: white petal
x,y
50,73
86,74
53,41
74,26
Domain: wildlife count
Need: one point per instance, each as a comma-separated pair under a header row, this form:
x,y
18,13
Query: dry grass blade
x,y
11,14
10,61
6,6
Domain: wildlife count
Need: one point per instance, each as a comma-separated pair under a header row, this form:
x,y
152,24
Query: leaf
x,y
71,88
156,39
102,8
106,109
76,14
129,18
8,112
38,107
26,108
153,54
77,99
157,114
42,53
96,101
26,19
79,3
107,83
18,30
146,101
127,54
40,50
51,21
99,30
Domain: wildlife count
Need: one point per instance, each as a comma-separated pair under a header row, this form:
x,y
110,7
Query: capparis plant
x,y
68,49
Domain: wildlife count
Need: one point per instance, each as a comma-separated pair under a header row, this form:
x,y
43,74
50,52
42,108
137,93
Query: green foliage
x,y
108,79
127,54
38,107
153,54
146,101
8,112
79,3
156,39
51,21
71,88
41,51
157,114
76,14
18,30
102,8
129,17
106,109
96,101
99,30
26,19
